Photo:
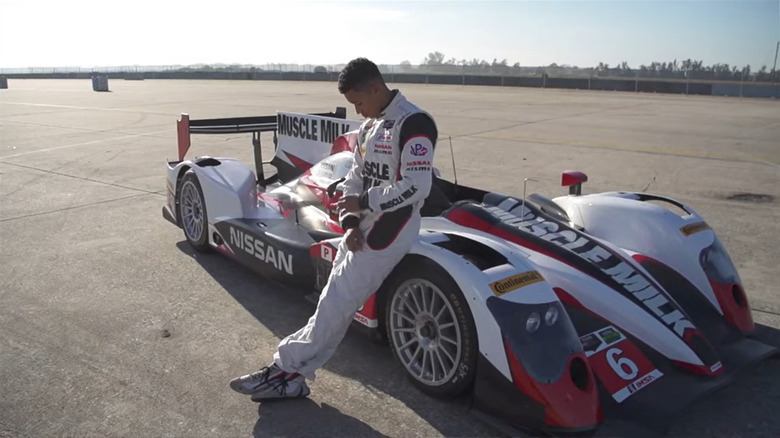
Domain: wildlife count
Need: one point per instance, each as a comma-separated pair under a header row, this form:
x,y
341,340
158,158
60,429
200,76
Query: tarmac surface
x,y
112,326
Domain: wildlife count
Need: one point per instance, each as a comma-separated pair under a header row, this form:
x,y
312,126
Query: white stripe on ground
x,y
52,105
147,134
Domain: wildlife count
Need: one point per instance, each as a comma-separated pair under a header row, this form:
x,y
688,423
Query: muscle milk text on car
x,y
307,128
256,247
624,274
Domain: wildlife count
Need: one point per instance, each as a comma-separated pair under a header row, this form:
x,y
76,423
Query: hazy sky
x,y
91,33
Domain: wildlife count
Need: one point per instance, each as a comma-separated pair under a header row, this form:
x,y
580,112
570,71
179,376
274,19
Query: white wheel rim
x,y
425,332
192,218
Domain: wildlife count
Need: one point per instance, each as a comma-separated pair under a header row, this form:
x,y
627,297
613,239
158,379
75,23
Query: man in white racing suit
x,y
380,213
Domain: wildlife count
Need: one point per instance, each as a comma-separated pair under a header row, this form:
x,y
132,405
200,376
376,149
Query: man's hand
x,y
349,204
354,239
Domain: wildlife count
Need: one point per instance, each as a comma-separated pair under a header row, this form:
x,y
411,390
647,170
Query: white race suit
x,y
392,175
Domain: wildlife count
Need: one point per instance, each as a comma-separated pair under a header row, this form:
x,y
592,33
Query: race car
x,y
552,315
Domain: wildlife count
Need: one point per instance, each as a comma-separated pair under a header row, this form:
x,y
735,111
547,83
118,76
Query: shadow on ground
x,y
283,418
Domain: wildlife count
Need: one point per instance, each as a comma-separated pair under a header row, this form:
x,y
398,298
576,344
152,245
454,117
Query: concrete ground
x,y
112,326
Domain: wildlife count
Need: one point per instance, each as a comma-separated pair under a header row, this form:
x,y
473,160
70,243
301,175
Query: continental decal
x,y
694,228
501,287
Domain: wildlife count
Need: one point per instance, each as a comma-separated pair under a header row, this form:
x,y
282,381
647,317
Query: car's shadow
x,y
283,310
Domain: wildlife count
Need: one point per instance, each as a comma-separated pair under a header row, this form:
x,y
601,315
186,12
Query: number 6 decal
x,y
623,366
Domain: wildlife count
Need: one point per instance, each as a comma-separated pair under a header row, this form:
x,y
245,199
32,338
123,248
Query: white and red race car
x,y
554,315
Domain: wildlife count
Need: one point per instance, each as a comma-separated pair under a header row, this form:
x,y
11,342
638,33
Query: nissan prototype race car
x,y
552,315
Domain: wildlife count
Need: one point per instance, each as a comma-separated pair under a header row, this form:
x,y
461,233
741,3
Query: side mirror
x,y
334,195
573,179
332,187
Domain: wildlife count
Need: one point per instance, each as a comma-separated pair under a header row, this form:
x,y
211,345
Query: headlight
x,y
551,315
533,322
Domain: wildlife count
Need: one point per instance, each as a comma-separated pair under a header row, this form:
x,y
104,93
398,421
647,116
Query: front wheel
x,y
431,330
192,211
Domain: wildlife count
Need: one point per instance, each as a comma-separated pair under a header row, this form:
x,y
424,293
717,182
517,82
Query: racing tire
x,y
430,329
192,212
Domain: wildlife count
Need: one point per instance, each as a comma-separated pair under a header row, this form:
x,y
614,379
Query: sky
x,y
91,33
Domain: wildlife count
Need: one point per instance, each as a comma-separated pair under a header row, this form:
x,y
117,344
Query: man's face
x,y
367,100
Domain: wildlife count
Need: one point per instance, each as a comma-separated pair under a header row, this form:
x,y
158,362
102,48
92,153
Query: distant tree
x,y
676,68
746,72
687,66
623,70
601,70
434,58
762,74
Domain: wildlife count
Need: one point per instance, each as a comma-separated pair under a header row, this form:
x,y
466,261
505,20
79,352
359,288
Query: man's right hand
x,y
349,204
354,239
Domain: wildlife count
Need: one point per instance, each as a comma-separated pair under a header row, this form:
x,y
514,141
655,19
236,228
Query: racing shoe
x,y
254,382
290,385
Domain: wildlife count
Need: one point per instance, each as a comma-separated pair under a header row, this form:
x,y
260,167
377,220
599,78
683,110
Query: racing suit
x,y
391,175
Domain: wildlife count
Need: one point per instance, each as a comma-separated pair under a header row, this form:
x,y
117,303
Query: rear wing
x,y
185,127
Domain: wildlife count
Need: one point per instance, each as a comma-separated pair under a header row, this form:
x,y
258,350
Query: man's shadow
x,y
284,418
283,310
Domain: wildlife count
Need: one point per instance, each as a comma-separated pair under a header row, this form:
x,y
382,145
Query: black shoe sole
x,y
285,397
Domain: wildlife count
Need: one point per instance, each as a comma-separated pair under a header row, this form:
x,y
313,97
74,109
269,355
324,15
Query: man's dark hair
x,y
357,74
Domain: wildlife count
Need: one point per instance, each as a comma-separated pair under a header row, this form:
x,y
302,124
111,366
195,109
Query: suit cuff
x,y
350,221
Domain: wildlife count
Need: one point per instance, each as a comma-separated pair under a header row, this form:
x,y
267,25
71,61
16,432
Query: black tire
x,y
192,212
447,368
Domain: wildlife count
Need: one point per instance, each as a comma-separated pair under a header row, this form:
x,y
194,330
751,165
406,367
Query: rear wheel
x,y
192,211
430,329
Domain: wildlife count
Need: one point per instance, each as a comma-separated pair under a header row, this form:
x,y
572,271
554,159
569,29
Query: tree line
x,y
676,69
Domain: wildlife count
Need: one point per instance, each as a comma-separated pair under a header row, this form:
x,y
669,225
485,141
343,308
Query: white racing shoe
x,y
291,385
271,382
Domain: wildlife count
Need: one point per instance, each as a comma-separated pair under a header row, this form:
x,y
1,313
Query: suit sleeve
x,y
353,183
417,140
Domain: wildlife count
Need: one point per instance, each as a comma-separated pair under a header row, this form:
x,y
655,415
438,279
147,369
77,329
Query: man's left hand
x,y
349,204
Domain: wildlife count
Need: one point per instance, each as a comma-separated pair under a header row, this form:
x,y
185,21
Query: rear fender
x,y
229,190
174,175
